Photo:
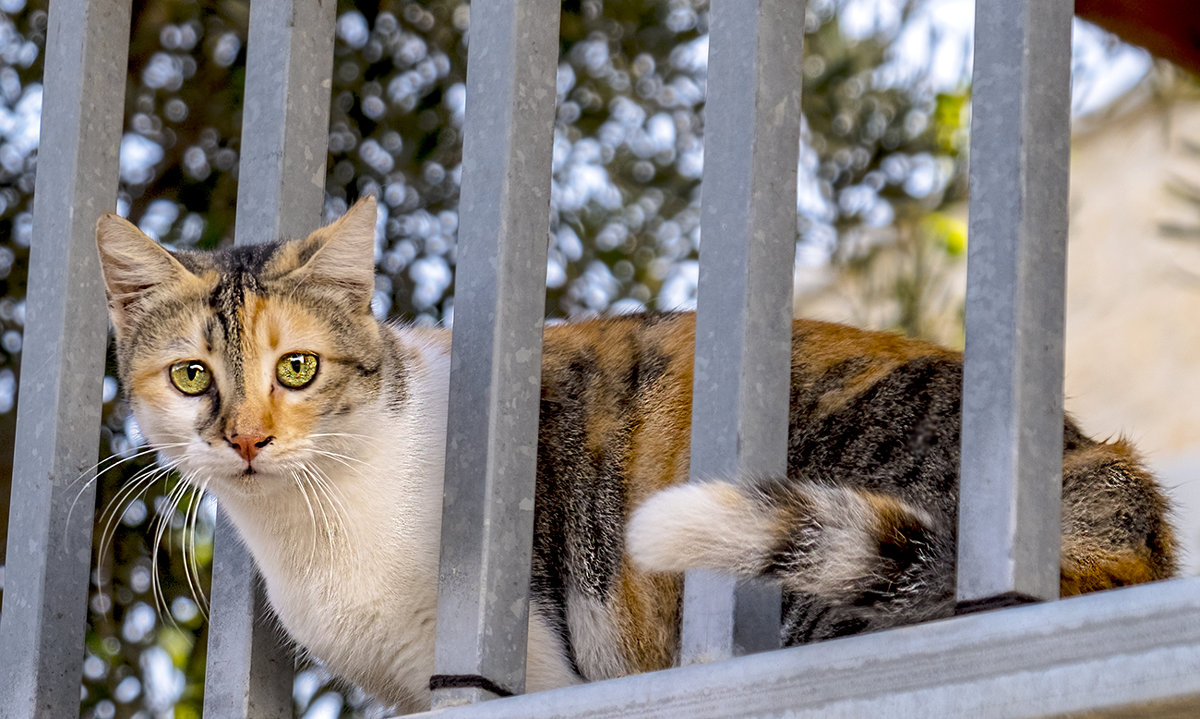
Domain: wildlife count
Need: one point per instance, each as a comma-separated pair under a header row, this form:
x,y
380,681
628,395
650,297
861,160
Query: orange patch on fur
x,y
1092,574
268,409
661,447
901,530
646,609
891,516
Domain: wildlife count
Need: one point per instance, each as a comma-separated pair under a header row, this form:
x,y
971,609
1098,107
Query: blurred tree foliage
x,y
880,150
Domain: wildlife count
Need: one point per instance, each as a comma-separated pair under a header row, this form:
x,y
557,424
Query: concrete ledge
x,y
1134,650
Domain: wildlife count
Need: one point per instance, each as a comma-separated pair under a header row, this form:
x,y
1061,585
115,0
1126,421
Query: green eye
x,y
296,369
191,376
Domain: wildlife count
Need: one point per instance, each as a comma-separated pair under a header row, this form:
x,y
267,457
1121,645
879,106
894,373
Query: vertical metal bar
x,y
495,377
285,120
1012,397
249,672
743,327
58,425
281,190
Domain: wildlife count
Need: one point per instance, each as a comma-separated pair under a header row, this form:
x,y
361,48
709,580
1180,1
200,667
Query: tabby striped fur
x,y
342,508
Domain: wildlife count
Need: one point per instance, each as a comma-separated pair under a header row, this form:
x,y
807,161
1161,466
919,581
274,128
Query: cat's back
x,y
873,446
621,385
636,364
615,428
662,344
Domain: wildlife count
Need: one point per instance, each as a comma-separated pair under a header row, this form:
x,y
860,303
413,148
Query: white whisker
x,y
133,489
117,459
329,488
345,460
100,472
312,516
164,519
348,435
191,569
320,493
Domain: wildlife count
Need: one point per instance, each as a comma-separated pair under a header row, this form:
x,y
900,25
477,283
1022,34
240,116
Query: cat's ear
x,y
342,254
133,266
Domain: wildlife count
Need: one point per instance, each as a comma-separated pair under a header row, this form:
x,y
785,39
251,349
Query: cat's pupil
x,y
192,371
297,363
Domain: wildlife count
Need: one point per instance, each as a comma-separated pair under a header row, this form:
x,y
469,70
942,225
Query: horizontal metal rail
x,y
1125,652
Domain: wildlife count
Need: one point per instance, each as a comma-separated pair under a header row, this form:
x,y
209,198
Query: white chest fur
x,y
351,567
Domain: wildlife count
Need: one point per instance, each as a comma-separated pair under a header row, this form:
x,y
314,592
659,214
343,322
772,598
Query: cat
x,y
266,379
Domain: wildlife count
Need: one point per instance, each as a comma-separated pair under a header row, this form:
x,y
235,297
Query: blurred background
x,y
880,239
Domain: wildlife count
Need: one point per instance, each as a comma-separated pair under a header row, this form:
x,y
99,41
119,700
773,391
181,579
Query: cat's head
x,y
250,364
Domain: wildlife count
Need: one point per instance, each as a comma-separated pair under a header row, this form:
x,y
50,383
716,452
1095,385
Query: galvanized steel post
x,y
1009,532
495,378
62,366
249,672
281,190
743,327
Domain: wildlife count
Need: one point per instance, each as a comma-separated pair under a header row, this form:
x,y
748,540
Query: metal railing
x,y
1137,647
285,136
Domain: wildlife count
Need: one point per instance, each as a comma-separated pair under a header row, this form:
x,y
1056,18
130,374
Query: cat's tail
x,y
838,543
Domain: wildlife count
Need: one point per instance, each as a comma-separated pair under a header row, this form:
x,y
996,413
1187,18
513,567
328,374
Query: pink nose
x,y
248,445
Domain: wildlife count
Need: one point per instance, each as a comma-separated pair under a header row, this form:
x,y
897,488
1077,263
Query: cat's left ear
x,y
342,254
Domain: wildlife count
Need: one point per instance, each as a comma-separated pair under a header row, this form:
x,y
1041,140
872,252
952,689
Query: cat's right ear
x,y
133,266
